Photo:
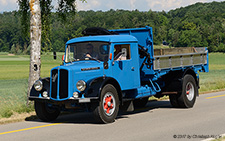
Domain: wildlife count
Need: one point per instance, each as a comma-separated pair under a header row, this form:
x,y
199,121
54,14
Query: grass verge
x,y
220,139
17,117
13,97
14,72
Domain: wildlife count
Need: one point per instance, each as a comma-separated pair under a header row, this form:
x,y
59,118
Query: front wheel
x,y
46,111
108,107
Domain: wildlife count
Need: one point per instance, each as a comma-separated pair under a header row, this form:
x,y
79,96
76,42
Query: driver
x,y
118,55
90,53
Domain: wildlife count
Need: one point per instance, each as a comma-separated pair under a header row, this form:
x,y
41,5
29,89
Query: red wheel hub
x,y
188,89
108,104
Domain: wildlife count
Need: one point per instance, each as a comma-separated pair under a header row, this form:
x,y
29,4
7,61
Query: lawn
x,y
215,79
14,72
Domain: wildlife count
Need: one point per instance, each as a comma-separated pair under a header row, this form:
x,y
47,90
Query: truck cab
x,y
112,56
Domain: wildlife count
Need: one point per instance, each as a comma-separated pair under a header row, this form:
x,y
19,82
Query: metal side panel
x,y
179,60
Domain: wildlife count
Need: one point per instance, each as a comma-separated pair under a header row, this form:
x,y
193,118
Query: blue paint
x,y
105,38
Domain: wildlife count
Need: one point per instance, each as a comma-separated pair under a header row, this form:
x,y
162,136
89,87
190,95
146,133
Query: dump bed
x,y
180,57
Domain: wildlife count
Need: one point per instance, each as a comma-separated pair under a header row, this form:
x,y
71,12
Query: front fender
x,y
193,73
95,86
46,87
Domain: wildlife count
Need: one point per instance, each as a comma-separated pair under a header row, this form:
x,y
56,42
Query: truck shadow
x,y
88,118
151,105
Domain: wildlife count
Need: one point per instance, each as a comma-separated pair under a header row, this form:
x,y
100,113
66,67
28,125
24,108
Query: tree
x,y
35,42
40,10
189,38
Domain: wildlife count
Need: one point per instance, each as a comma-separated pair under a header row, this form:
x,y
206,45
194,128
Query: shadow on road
x,y
151,105
88,118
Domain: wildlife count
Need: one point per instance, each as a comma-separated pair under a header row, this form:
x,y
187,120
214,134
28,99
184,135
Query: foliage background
x,y
199,25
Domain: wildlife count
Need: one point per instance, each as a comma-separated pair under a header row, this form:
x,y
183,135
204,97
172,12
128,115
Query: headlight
x,y
45,94
38,85
81,85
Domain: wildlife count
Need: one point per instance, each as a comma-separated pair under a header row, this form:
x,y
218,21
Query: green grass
x,y
215,79
13,97
220,139
14,72
17,67
3,53
160,46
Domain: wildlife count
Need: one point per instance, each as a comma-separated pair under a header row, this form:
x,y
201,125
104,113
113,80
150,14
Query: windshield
x,y
98,51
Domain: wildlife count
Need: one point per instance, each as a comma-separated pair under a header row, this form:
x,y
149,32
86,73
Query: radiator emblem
x,y
54,77
87,69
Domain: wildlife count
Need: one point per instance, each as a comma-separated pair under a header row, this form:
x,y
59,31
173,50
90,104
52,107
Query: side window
x,y
122,52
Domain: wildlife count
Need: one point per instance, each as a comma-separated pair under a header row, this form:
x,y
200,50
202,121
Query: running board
x,y
168,93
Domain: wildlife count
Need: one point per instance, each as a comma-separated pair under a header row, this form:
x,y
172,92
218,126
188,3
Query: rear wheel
x,y
173,101
45,111
108,107
185,99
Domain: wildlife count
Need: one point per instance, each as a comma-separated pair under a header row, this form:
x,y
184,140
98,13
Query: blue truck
x,y
108,70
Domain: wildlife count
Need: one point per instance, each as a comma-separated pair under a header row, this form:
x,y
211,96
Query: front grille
x,y
54,83
62,86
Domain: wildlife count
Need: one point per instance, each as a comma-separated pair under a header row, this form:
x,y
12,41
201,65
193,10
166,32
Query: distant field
x,y
17,67
14,72
215,79
160,46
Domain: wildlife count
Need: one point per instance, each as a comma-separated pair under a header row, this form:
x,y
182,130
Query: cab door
x,y
125,65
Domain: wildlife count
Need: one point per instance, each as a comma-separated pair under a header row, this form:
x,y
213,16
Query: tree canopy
x,y
200,25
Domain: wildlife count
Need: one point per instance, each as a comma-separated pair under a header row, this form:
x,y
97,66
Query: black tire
x,y
107,109
187,97
174,101
182,99
44,112
139,103
189,92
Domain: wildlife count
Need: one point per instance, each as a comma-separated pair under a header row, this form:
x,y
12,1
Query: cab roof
x,y
104,38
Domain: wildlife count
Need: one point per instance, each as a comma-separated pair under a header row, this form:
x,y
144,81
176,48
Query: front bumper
x,y
71,99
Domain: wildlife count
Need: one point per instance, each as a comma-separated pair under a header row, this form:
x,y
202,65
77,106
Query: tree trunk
x,y
35,43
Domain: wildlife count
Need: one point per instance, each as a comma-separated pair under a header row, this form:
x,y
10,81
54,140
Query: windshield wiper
x,y
93,58
72,59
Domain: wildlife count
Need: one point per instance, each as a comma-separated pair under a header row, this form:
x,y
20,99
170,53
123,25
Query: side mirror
x,y
54,55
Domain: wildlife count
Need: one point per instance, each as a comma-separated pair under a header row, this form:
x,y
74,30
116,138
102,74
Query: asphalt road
x,y
158,121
